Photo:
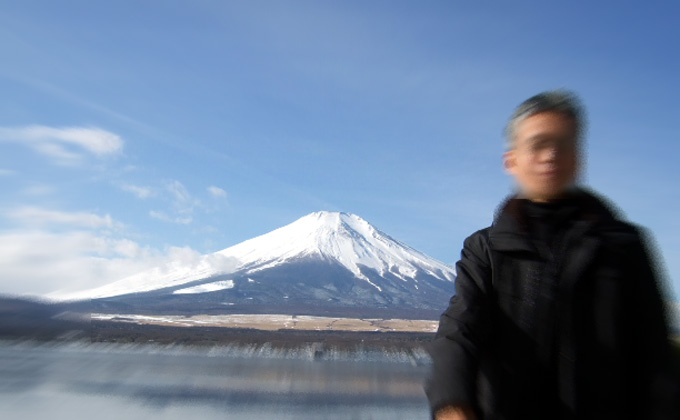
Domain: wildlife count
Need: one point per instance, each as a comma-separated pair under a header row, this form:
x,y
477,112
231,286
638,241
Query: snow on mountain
x,y
338,238
344,238
206,288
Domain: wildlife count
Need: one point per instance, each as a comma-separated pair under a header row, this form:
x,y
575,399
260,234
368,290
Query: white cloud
x,y
66,145
217,192
6,172
140,192
35,259
52,252
41,263
37,217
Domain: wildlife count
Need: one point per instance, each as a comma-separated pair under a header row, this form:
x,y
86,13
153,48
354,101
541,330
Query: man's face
x,y
544,160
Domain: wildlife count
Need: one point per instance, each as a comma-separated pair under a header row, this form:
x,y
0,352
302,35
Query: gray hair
x,y
562,101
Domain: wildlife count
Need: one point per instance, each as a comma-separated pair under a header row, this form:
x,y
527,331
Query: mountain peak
x,y
343,238
320,223
331,218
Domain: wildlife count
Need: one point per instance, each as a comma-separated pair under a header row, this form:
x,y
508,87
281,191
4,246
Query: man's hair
x,y
562,101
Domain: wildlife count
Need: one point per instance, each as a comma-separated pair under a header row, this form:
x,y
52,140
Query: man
x,y
557,313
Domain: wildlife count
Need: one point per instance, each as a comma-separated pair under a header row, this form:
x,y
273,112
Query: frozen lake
x,y
102,381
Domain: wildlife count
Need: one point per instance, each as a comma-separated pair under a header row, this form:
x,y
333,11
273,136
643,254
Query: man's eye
x,y
536,147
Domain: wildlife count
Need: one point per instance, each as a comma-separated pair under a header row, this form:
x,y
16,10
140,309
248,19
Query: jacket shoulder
x,y
622,232
476,246
609,221
478,241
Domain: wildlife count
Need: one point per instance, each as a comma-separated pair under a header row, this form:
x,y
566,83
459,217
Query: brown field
x,y
269,322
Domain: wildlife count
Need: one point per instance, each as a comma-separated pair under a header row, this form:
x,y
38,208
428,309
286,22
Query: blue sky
x,y
137,132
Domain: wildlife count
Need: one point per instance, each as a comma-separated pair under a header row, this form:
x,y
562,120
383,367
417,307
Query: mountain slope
x,y
322,259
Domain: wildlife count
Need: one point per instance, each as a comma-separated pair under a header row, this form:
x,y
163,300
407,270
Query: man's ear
x,y
509,161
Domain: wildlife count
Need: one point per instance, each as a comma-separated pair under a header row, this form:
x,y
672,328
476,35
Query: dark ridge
x,y
123,332
41,320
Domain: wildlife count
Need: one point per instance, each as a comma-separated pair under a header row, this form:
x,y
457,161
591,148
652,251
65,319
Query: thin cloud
x,y
39,190
180,194
35,216
66,145
7,172
170,219
140,192
182,205
217,192
71,97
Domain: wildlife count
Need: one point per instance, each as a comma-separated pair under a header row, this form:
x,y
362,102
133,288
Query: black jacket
x,y
574,329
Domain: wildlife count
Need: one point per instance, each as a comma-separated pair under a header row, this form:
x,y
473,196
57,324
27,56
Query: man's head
x,y
542,140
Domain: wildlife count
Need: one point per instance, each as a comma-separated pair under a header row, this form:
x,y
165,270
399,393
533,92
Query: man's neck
x,y
547,199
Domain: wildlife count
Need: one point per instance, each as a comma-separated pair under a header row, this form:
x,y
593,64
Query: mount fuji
x,y
323,263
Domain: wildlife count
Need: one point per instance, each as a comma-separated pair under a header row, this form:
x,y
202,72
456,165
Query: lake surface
x,y
102,381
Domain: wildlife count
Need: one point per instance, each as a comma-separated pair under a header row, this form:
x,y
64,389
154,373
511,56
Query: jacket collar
x,y
509,231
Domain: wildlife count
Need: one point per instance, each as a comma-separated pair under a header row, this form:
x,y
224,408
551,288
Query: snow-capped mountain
x,y
322,259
